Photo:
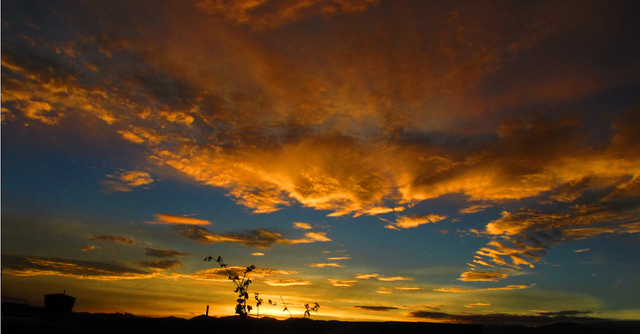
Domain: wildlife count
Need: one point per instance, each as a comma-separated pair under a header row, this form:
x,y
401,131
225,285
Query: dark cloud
x,y
542,318
259,238
37,266
375,308
113,238
273,14
161,264
163,253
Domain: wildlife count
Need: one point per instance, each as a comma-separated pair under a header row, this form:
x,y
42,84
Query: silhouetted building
x,y
59,302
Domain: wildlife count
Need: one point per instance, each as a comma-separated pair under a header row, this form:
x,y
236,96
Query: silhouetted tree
x,y
242,285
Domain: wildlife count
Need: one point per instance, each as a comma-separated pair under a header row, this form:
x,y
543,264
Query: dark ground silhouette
x,y
26,319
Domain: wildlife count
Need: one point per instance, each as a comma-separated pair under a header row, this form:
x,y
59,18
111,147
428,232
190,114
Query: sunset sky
x,y
444,161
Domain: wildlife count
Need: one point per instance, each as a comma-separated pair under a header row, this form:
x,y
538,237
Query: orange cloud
x,y
383,278
486,276
302,226
126,181
173,219
474,209
342,283
286,282
407,289
89,248
458,289
414,221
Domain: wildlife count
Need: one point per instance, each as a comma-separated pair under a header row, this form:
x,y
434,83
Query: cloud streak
x,y
173,219
260,238
113,238
541,318
163,253
42,266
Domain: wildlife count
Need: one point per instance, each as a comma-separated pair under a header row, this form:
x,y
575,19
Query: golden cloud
x,y
89,248
302,226
475,208
486,276
342,283
126,181
286,282
173,219
383,278
458,289
414,221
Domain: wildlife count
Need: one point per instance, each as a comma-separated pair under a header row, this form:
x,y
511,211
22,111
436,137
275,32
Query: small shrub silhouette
x,y
258,303
307,313
242,285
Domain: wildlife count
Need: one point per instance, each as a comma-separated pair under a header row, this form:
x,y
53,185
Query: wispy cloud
x,y
160,265
286,282
582,250
475,208
342,283
162,218
267,14
374,308
163,253
125,181
486,276
414,221
42,266
477,304
302,226
323,265
88,248
257,254
383,278
339,258
113,238
221,274
541,318
407,288
459,289
260,238
384,291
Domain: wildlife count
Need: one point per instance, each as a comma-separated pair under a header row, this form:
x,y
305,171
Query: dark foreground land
x,y
33,321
